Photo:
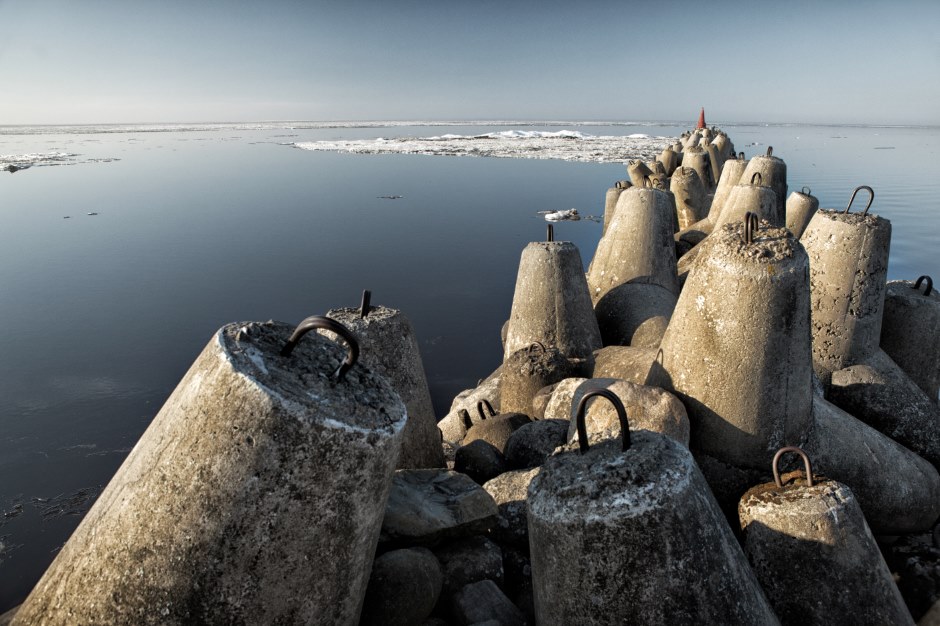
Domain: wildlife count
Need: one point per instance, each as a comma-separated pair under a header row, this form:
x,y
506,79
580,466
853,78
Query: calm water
x,y
103,314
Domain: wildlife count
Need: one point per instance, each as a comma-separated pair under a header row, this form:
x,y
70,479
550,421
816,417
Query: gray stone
x,y
470,560
404,588
527,370
387,344
551,303
737,350
628,537
255,496
848,256
910,333
509,492
635,314
631,363
426,506
815,556
480,460
540,401
484,601
800,209
899,492
532,443
880,394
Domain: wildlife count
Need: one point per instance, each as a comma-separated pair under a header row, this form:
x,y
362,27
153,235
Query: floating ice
x,y
567,145
17,162
558,216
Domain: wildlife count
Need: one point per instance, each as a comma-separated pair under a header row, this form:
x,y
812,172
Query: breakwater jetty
x,y
622,465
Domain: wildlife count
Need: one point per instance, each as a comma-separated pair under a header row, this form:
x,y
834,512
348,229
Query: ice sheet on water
x,y
17,162
567,145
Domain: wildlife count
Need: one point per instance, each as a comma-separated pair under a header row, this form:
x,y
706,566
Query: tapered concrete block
x,y
773,173
899,491
848,255
255,496
623,537
801,207
737,350
715,161
815,556
910,332
731,173
669,160
528,370
635,314
751,198
551,304
638,246
610,200
389,346
690,195
696,158
638,172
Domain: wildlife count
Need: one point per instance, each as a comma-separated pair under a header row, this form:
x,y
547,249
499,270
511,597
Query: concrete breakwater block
x,y
389,347
691,197
751,196
848,255
510,491
648,408
624,536
910,331
737,350
815,556
454,425
773,173
255,496
638,246
801,206
635,314
731,173
696,158
428,505
610,200
528,370
899,491
631,363
551,304
404,588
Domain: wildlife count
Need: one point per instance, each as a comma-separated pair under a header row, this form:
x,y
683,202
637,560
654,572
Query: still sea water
x,y
197,226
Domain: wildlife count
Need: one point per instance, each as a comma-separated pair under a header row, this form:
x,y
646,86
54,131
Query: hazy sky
x,y
95,61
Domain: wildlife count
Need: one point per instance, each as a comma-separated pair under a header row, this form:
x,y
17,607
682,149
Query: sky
x,y
136,61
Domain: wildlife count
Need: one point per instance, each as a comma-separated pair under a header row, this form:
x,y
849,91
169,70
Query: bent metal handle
x,y
871,198
621,415
319,321
750,227
489,407
806,465
929,284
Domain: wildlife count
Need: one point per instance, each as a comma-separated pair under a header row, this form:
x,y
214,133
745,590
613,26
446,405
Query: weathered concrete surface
x,y
255,496
731,173
910,333
773,173
452,426
482,602
899,492
468,561
480,460
638,246
648,408
518,582
848,256
715,161
527,370
815,556
691,197
551,303
425,506
696,158
751,198
880,394
403,589
510,492
7,618
800,209
388,345
638,172
630,363
532,443
610,200
497,429
669,160
737,351
635,314
625,537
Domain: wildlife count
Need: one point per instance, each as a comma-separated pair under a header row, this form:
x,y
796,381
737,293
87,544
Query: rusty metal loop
x,y
465,418
852,199
489,407
740,156
647,183
770,150
806,465
550,233
759,177
621,415
364,307
539,344
319,321
929,284
750,227
620,184
806,191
